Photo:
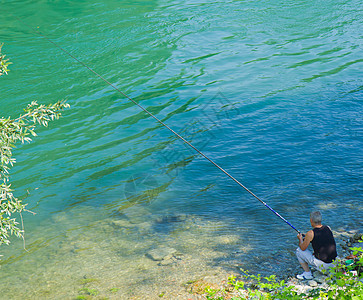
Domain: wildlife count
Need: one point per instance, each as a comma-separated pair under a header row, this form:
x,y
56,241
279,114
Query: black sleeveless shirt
x,y
324,244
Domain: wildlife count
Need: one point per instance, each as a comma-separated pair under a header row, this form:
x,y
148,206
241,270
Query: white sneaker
x,y
305,276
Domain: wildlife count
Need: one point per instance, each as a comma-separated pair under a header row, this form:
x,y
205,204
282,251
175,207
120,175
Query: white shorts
x,y
308,257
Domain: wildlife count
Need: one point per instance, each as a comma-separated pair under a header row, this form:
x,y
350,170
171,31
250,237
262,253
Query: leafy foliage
x,y
345,282
11,132
3,63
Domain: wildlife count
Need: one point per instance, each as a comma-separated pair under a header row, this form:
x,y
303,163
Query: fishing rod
x,y
162,123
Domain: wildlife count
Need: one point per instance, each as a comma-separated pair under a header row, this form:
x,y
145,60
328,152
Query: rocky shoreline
x,y
196,288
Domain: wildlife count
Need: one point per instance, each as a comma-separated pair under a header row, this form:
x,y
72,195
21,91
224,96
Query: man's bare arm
x,y
303,244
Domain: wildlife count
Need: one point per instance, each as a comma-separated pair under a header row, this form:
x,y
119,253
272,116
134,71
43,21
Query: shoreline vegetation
x,y
344,281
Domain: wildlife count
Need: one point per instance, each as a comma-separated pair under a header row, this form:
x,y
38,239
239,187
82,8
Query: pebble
x,y
312,283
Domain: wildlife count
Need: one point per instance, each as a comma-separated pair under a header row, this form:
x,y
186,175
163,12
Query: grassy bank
x,y
345,281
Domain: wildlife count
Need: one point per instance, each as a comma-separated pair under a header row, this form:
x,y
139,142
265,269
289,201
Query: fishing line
x,y
161,122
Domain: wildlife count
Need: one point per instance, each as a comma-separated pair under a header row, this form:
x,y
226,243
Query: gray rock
x,y
320,278
312,283
356,237
162,253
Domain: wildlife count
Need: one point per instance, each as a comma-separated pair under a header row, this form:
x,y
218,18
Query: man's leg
x,y
305,266
304,258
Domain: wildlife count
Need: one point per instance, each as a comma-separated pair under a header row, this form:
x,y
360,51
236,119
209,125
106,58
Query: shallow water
x,y
270,91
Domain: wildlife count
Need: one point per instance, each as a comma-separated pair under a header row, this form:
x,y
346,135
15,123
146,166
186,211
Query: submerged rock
x,y
171,219
121,224
166,262
162,253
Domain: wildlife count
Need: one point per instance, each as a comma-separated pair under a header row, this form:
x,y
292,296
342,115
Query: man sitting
x,y
322,240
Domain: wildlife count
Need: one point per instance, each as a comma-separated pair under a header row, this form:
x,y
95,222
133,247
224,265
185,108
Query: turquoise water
x,y
271,91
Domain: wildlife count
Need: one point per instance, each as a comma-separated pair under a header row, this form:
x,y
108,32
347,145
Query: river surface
x,y
270,90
